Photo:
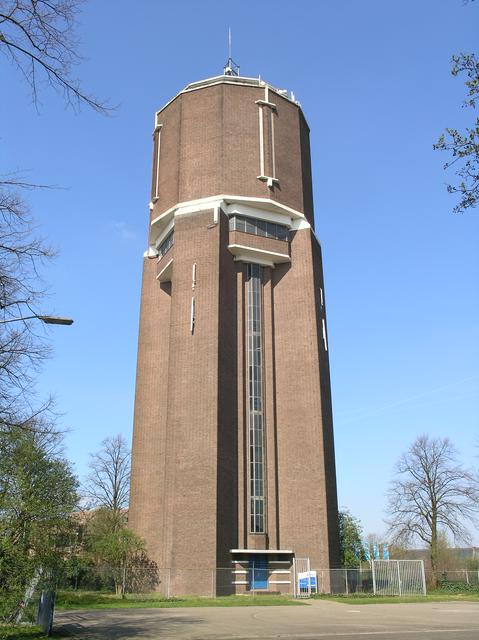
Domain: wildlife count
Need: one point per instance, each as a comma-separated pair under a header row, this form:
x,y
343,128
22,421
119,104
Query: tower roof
x,y
232,79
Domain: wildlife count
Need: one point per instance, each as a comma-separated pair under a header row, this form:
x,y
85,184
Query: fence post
x,y
168,584
374,576
213,590
309,578
295,595
346,580
399,578
423,577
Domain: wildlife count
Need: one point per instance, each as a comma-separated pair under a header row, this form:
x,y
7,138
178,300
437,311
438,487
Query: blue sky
x,y
401,270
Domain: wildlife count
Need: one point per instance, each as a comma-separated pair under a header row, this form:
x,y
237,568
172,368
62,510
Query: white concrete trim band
x,y
250,551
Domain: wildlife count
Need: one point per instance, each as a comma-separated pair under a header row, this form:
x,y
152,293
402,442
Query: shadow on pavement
x,y
115,625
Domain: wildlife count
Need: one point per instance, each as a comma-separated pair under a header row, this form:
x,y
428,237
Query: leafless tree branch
x,y
108,483
39,36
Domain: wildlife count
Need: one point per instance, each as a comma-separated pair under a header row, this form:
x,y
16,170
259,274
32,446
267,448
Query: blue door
x,y
258,571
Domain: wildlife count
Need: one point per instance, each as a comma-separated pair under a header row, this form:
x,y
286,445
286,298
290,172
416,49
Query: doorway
x,y
258,571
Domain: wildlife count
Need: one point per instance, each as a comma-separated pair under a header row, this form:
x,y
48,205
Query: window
x,y
259,227
254,342
166,244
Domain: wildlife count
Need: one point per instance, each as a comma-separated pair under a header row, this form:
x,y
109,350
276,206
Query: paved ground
x,y
322,620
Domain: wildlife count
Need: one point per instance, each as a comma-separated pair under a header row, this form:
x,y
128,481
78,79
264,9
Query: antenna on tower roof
x,y
230,68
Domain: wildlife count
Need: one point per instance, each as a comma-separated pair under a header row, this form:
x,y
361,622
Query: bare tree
x,y
22,348
431,493
39,37
108,483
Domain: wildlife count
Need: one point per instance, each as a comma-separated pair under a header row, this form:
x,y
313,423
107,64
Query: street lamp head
x,y
55,320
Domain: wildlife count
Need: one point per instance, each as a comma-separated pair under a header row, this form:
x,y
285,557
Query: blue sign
x,y
376,551
303,582
385,551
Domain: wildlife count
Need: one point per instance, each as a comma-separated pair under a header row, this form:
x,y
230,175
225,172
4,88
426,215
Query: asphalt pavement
x,y
318,619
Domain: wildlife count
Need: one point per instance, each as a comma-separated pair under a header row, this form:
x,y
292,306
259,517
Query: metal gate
x,y
305,580
398,577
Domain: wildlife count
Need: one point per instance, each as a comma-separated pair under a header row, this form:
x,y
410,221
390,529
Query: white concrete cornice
x,y
282,551
196,205
191,207
249,206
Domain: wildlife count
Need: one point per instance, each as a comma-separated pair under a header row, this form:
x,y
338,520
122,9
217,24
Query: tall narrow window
x,y
256,444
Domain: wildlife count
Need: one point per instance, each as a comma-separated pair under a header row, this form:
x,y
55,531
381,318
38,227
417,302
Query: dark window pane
x,y
261,228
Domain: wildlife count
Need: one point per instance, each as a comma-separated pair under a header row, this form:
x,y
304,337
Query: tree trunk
x,y
433,551
123,584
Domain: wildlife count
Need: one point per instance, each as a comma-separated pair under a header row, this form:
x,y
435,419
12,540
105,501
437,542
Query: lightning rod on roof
x,y
230,68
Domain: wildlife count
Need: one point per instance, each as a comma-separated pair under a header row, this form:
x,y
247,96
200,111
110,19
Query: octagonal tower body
x,y
233,454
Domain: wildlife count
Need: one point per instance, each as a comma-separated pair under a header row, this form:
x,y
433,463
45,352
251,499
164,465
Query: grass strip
x,y
21,632
363,598
70,600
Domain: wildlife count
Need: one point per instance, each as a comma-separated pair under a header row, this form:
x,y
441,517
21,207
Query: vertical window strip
x,y
192,315
193,276
158,145
255,399
273,160
325,340
261,141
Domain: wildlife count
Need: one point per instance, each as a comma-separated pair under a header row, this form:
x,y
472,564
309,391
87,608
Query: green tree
x,y
350,540
114,547
37,495
431,493
464,146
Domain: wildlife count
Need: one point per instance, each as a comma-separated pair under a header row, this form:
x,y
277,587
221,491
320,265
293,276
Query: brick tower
x,y
233,454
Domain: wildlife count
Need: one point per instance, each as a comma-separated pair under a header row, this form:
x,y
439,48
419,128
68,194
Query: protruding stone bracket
x,y
264,103
166,273
258,256
269,180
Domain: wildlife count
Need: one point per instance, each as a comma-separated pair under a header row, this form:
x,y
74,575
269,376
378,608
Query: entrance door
x,y
258,571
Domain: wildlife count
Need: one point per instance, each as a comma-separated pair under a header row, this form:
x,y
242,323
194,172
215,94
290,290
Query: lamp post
x,y
45,319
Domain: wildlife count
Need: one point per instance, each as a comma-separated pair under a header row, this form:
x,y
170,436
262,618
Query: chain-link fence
x,y
392,577
223,581
380,577
465,576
